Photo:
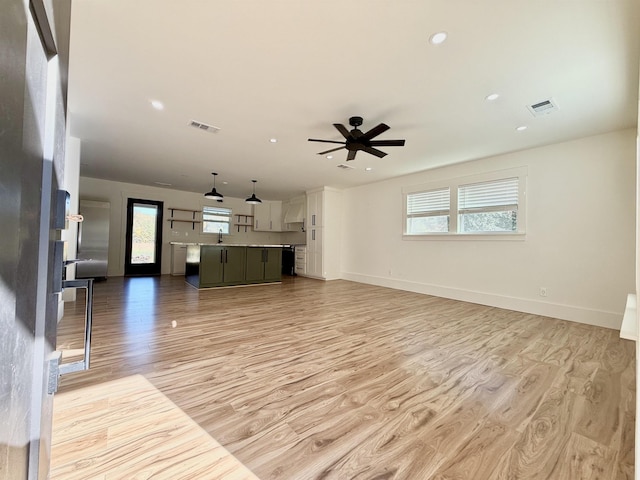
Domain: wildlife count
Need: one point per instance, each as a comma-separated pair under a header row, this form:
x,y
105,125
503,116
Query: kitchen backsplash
x,y
184,233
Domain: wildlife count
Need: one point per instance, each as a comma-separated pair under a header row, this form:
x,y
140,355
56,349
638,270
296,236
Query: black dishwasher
x,y
288,260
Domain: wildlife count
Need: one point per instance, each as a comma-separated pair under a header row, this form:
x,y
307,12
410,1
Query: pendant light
x,y
213,193
253,200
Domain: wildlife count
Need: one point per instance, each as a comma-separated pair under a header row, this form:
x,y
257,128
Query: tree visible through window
x,y
143,237
488,206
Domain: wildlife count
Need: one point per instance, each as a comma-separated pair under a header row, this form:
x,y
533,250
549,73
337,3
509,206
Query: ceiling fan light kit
x,y
253,200
356,140
214,193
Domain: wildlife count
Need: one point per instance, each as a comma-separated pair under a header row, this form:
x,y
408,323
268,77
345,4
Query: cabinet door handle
x,y
266,256
226,256
313,234
313,220
221,253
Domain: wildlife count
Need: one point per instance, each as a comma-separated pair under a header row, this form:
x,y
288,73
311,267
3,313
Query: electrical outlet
x,y
543,291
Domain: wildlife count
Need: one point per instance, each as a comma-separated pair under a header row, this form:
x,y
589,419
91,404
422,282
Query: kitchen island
x,y
222,265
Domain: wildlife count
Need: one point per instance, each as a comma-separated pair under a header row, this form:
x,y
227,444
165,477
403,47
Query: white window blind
x,y
431,203
496,195
215,219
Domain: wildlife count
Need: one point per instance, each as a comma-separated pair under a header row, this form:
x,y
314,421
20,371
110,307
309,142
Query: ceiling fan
x,y
356,140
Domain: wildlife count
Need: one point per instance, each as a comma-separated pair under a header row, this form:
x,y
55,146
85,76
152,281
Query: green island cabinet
x,y
226,265
264,264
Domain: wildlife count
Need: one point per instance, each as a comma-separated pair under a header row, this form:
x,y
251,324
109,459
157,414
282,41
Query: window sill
x,y
509,237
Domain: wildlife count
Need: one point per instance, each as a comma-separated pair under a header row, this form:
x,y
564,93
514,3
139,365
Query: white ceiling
x,y
287,69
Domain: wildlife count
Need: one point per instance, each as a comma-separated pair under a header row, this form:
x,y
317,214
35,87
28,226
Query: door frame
x,y
146,269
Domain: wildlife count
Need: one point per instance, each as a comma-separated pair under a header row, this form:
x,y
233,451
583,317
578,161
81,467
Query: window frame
x,y
453,184
204,222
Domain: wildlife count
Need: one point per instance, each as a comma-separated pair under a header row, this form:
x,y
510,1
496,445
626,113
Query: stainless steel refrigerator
x,y
93,239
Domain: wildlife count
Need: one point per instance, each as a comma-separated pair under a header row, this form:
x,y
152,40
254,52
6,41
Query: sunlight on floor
x,y
126,428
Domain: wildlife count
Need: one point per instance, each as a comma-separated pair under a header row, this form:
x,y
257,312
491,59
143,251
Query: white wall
x,y
117,193
579,243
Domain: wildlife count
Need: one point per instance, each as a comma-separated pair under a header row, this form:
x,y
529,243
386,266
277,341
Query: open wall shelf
x,y
245,221
192,220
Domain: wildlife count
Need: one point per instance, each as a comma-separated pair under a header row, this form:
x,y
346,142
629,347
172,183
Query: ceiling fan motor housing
x,y
355,121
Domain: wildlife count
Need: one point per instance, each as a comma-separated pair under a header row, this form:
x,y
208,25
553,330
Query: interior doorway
x,y
143,253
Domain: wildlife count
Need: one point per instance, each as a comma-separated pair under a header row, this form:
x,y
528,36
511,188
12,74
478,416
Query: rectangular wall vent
x,y
344,166
203,126
544,107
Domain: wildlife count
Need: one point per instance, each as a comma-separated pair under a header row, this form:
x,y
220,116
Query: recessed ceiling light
x,y
157,104
438,38
492,97
329,157
521,128
368,169
273,140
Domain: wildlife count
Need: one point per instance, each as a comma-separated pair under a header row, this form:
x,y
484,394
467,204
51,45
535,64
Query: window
x,y
428,212
487,204
215,219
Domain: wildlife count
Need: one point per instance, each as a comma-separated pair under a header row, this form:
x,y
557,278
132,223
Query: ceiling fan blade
x,y
387,143
375,131
332,150
351,155
342,129
325,141
373,151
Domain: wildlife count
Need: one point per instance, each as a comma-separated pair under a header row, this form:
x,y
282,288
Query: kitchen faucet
x,y
220,236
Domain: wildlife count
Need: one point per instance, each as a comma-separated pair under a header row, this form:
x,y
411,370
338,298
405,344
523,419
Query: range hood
x,y
295,213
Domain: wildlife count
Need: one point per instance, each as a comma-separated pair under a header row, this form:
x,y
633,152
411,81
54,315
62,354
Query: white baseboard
x,y
587,316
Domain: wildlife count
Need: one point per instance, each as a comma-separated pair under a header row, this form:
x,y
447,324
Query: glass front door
x,y
144,237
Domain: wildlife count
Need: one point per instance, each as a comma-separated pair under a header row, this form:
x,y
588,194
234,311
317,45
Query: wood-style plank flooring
x,y
126,429
340,380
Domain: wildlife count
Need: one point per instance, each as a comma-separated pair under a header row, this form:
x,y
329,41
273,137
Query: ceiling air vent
x,y
543,108
345,166
203,126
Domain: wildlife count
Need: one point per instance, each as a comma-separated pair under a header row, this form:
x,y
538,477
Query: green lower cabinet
x,y
211,265
255,265
221,265
234,265
273,265
264,265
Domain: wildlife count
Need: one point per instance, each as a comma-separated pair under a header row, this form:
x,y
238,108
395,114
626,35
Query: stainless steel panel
x,y
93,239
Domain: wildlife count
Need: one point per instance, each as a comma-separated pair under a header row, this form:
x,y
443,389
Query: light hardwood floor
x,y
339,380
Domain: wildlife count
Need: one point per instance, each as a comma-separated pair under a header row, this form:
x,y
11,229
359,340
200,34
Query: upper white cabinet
x,y
267,217
315,201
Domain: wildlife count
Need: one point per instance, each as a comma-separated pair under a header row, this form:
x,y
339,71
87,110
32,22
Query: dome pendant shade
x,y
214,193
253,200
